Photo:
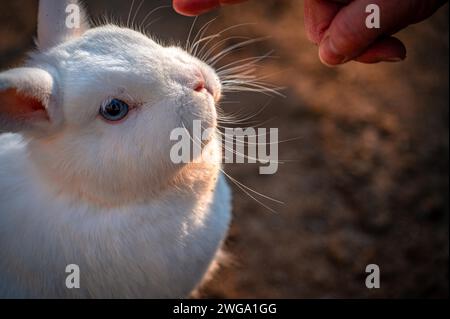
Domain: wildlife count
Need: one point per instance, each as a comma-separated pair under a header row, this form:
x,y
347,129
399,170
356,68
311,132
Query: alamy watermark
x,y
373,279
73,16
73,279
249,145
373,19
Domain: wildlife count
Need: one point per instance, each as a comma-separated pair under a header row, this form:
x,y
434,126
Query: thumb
x,y
349,37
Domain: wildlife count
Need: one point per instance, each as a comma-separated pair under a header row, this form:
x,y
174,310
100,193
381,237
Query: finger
x,y
194,7
231,1
197,7
385,50
318,17
348,36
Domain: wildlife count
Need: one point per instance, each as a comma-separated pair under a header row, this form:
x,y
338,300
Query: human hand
x,y
339,29
338,26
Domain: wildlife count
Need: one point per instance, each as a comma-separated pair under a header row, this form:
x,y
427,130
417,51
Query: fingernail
x,y
328,53
392,59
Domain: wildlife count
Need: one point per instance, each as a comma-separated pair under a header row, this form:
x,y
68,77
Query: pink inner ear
x,y
17,105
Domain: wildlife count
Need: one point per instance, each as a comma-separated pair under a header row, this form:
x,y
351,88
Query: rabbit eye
x,y
115,110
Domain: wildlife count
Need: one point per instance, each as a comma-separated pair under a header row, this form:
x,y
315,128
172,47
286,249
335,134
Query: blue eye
x,y
115,110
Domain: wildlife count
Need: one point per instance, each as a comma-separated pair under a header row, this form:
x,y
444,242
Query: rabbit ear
x,y
60,20
27,100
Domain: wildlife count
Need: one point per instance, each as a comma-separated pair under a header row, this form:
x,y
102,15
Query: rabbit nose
x,y
200,85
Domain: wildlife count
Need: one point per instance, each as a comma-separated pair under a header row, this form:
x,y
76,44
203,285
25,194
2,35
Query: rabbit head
x,y
97,106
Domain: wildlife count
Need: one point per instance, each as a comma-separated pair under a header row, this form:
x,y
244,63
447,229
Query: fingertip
x,y
194,7
180,7
386,50
378,59
328,54
231,1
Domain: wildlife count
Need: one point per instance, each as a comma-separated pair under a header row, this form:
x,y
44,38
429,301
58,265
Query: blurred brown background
x,y
369,178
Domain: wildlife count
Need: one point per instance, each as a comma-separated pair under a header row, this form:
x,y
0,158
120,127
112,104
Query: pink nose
x,y
200,85
200,82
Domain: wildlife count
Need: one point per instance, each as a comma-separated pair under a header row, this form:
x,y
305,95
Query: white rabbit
x,y
85,172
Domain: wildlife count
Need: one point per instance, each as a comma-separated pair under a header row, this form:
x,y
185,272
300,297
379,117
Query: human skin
x,y
197,7
338,26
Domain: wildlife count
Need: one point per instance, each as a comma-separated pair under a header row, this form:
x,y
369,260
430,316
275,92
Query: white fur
x,y
75,189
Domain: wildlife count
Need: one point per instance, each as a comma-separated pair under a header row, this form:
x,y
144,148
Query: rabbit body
x,y
76,188
145,250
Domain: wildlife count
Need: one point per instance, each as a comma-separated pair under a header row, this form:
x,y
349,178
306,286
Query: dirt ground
x,y
367,180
